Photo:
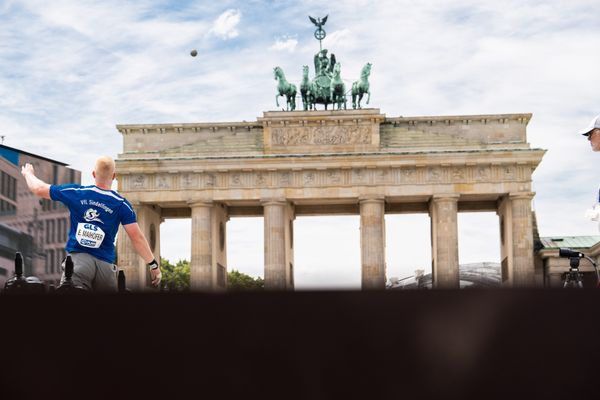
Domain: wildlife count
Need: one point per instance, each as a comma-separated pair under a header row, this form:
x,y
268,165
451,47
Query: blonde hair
x,y
105,169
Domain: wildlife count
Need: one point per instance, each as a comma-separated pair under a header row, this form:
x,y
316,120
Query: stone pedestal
x,y
137,274
444,241
278,230
208,265
372,243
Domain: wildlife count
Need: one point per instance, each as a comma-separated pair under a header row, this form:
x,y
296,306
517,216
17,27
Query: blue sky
x,y
71,70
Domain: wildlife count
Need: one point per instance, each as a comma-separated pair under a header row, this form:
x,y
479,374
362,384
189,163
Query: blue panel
x,y
11,155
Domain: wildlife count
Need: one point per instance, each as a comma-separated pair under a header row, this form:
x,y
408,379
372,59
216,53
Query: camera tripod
x,y
573,278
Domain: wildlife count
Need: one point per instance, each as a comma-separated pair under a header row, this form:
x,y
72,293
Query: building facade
x,y
45,222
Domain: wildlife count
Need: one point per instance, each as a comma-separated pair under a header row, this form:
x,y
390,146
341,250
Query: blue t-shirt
x,y
95,217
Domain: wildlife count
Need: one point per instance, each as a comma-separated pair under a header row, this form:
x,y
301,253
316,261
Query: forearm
x,y
140,244
37,186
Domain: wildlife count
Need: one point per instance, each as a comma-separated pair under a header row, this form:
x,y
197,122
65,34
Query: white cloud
x,y
340,38
226,24
285,44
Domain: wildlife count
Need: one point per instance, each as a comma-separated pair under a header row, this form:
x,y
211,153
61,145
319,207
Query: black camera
x,y
568,253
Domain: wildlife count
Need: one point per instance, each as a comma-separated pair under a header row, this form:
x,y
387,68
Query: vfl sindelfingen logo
x,y
91,215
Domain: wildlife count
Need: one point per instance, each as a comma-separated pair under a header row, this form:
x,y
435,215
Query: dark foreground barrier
x,y
306,345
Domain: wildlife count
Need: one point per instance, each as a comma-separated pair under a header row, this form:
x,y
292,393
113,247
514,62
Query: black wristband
x,y
153,264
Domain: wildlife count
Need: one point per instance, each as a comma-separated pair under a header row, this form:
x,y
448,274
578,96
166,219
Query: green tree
x,y
237,280
175,278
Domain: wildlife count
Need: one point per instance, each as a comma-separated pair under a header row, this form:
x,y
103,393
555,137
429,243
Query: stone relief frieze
x,y
235,180
382,176
163,182
138,182
309,178
333,177
508,172
459,173
189,181
434,174
359,176
285,179
320,136
482,174
409,175
210,180
327,177
260,179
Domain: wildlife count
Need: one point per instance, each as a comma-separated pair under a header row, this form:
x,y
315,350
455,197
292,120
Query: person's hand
x,y
27,169
156,276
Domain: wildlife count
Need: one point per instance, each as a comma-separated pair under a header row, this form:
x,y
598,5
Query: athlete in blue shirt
x,y
96,213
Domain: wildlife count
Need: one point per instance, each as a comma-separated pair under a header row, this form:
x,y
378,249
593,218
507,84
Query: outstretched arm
x,y
140,244
36,185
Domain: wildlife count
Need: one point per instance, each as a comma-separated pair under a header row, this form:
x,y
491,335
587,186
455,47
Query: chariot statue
x,y
327,87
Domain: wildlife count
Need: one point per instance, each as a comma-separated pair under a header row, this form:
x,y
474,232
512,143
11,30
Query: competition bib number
x,y
89,235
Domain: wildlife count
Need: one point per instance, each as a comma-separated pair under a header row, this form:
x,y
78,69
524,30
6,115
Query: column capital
x,y
445,197
371,199
521,195
274,202
200,203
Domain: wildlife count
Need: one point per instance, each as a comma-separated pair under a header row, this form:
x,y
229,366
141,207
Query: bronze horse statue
x,y
305,87
338,88
284,88
360,87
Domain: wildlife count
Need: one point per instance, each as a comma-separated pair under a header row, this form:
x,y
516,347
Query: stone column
x,y
522,233
290,216
137,274
208,265
504,215
278,215
202,244
518,268
372,243
221,217
443,210
128,260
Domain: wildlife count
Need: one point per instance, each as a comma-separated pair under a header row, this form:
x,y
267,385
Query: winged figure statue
x,y
319,22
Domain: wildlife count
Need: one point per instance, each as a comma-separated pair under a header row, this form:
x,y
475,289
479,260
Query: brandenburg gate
x,y
351,162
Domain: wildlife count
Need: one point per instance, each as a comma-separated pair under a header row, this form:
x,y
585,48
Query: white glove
x,y
593,213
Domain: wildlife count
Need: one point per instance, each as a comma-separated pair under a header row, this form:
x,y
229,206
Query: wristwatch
x,y
153,264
